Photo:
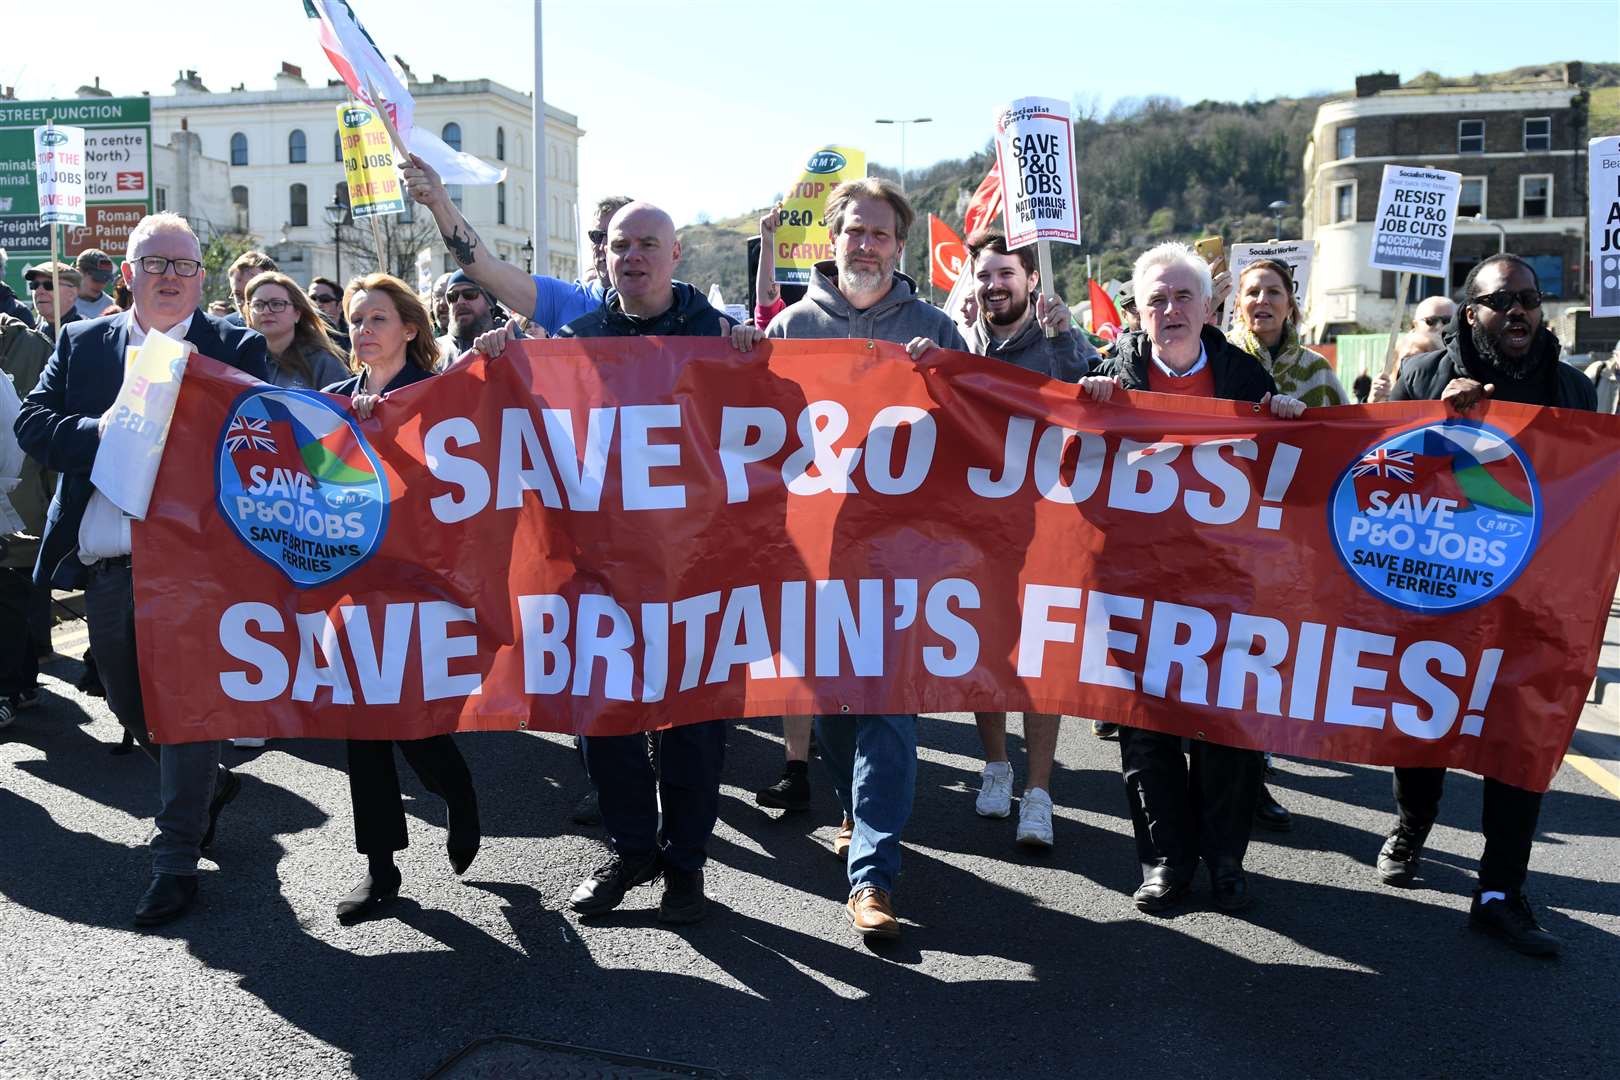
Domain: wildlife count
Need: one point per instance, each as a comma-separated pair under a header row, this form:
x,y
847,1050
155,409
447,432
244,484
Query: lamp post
x,y
335,212
1501,230
1277,209
902,124
528,255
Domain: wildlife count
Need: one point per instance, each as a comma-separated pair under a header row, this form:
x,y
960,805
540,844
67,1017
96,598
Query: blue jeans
x,y
187,771
873,761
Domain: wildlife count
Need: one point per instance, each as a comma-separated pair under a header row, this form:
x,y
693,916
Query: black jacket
x,y
57,425
10,305
1424,377
690,316
1238,376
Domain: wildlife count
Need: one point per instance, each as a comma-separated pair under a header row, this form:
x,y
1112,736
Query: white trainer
x,y
1035,819
995,790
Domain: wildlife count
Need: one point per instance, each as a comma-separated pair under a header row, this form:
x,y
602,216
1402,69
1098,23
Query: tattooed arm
x,y
509,284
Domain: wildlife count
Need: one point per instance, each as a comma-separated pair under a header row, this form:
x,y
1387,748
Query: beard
x,y
859,280
1017,307
1514,367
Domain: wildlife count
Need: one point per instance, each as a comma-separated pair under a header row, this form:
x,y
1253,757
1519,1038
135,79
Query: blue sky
x,y
711,105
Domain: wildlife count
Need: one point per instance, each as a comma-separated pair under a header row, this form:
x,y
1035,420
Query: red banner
x,y
608,536
947,255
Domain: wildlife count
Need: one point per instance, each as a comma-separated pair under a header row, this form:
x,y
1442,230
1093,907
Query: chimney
x,y
1573,72
188,83
289,76
1368,85
410,76
93,91
8,93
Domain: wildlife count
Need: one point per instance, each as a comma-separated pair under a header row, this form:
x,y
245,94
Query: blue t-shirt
x,y
558,303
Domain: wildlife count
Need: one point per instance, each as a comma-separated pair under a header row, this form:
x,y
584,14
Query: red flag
x,y
1103,313
947,256
985,206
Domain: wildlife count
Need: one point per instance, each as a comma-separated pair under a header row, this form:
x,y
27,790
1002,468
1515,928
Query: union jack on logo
x,y
1395,464
247,432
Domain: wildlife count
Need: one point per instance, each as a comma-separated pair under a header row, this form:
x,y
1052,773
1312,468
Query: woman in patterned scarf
x,y
1266,328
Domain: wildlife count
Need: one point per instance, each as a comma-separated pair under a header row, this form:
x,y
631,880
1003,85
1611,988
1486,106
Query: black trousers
x,y
19,650
1182,813
1508,822
686,777
379,810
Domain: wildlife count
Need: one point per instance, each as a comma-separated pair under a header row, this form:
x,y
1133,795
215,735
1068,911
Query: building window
x,y
451,135
1535,196
500,144
1549,274
298,205
1346,140
239,149
551,161
1537,133
1471,200
297,147
239,202
520,156
500,203
1344,202
554,227
337,145
1470,136
161,197
523,202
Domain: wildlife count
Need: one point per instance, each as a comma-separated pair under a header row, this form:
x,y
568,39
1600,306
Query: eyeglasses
x,y
1435,322
1503,299
261,306
157,264
463,294
323,298
598,237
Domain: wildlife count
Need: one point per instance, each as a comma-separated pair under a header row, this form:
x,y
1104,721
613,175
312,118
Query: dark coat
x,y
10,305
58,422
689,316
1424,377
1238,376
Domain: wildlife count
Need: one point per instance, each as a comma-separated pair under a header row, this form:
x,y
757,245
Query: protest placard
x,y
59,174
424,270
368,163
1417,211
1035,153
842,531
1295,254
801,236
132,447
1603,156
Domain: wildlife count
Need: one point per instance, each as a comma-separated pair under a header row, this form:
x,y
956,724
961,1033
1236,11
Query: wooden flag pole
x,y
1043,256
1403,280
56,289
401,151
377,241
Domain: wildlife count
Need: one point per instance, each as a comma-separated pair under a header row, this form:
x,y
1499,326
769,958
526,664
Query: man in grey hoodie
x,y
860,294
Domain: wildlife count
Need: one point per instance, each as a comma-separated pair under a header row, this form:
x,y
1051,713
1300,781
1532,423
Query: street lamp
x,y
335,212
1501,239
528,255
902,125
1277,209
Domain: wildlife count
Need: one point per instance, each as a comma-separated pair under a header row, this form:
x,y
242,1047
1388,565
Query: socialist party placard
x,y
1604,158
1035,152
1417,215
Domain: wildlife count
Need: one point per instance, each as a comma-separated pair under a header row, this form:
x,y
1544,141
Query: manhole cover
x,y
508,1057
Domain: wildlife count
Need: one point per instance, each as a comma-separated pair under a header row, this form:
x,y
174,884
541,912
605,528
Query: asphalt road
x,y
1011,964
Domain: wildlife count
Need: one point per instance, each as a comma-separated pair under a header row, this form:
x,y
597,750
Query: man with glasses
x,y
472,313
86,544
45,296
1433,315
554,303
96,268
1503,351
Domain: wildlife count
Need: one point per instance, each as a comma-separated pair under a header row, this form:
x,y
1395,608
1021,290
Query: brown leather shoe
x,y
871,913
845,837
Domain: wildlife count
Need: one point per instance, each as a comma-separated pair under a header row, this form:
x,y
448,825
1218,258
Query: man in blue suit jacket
x,y
87,542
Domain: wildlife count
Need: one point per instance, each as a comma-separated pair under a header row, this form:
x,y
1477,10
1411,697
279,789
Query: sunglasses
x,y
323,298
597,236
42,283
463,294
1435,322
1504,299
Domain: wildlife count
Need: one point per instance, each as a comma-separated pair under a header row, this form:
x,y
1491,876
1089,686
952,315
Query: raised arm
x,y
507,283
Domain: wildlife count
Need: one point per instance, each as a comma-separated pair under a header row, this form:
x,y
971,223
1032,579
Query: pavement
x,y
1012,963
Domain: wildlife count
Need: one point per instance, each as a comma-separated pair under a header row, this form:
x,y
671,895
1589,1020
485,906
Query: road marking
x,y
1594,772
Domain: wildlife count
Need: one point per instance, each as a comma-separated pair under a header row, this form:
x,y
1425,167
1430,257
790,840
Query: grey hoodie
x,y
898,317
1069,356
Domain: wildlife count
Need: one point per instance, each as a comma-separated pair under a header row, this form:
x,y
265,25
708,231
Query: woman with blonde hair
x,y
392,334
302,355
1267,328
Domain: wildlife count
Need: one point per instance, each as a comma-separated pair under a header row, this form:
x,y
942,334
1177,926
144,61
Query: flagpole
x,y
542,234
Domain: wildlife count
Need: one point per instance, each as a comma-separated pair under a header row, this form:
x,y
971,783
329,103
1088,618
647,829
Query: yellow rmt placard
x,y
801,238
368,163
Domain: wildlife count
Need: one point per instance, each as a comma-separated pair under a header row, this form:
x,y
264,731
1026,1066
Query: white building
x,y
267,162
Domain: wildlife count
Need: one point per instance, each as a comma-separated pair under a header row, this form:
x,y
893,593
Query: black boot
x,y
1398,860
791,792
1269,813
1510,918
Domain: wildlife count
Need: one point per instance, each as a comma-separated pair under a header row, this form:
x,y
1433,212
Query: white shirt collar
x,y
1198,365
137,336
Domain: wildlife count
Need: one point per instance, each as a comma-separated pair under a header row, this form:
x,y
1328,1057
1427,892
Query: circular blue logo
x,y
1439,518
300,485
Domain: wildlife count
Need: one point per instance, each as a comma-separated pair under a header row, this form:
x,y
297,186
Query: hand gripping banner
x,y
611,536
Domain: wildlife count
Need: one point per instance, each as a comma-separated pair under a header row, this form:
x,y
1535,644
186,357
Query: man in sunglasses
x,y
1501,350
86,544
472,313
554,303
1433,315
45,296
96,270
327,297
